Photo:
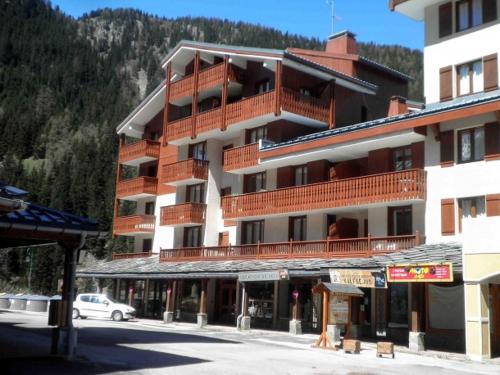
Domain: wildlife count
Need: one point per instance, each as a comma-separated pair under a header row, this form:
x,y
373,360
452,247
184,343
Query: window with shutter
x,y
447,154
492,139
448,217
490,72
493,205
446,83
445,19
489,10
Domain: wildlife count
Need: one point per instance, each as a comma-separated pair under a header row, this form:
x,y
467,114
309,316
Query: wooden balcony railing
x,y
139,186
209,120
241,157
307,106
386,187
181,88
254,106
180,128
135,224
211,77
117,256
184,170
183,214
344,248
248,108
143,149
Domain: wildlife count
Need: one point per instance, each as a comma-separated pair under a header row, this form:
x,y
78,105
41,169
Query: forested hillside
x,y
65,84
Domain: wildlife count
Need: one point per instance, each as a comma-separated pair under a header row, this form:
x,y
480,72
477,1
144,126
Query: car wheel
x,y
75,314
117,316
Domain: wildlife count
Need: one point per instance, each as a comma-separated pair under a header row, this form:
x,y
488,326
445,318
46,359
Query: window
x,y
198,151
300,175
85,298
192,237
305,92
364,113
147,244
297,230
257,134
253,232
402,159
471,145
224,192
400,221
470,78
263,86
194,193
398,304
472,13
154,136
470,208
255,182
151,171
149,208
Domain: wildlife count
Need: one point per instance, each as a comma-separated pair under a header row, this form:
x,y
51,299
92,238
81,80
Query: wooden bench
x,y
385,347
352,346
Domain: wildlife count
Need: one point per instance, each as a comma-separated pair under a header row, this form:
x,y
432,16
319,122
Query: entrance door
x,y
495,319
227,301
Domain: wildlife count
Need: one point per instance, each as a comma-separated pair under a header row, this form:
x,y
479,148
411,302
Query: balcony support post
x,y
369,249
331,114
225,83
195,94
119,174
417,238
277,89
166,108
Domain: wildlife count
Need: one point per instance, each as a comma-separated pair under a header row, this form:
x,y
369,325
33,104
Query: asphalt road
x,y
148,347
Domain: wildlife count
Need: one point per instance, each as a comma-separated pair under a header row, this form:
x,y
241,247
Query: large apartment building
x,y
249,175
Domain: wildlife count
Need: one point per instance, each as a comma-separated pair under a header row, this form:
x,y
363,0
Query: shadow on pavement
x,y
100,350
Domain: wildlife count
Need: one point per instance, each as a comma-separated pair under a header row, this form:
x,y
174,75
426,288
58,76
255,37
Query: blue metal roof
x,y
430,109
40,216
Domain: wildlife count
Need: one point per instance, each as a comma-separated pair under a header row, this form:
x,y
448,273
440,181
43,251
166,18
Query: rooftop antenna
x,y
331,3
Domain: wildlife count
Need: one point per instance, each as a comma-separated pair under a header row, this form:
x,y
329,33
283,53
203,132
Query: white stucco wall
x,y
164,236
481,235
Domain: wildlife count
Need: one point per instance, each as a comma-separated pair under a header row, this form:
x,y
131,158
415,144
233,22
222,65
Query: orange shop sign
x,y
429,272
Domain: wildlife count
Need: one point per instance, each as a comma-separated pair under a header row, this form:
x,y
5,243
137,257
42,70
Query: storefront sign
x,y
263,276
359,278
429,272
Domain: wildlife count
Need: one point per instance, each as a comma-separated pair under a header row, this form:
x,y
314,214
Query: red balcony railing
x,y
136,224
241,157
344,248
183,214
180,128
209,120
181,88
385,187
136,187
117,256
145,150
254,106
303,105
191,169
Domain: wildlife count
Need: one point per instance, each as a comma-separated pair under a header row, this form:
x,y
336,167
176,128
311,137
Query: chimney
x,y
343,42
397,106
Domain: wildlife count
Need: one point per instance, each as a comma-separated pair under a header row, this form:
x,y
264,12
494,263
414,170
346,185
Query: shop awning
x,y
339,289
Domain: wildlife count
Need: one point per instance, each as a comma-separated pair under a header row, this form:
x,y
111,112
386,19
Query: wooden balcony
x,y
185,172
136,188
139,152
344,248
249,108
387,187
133,225
186,214
117,256
209,78
241,157
306,106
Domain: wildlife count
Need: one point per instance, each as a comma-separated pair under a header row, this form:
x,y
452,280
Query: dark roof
x,y
335,288
430,109
8,191
150,267
385,68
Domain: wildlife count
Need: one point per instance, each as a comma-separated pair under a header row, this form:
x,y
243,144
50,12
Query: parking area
x,y
149,347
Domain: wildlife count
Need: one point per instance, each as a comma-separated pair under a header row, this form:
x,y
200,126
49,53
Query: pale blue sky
x,y
371,20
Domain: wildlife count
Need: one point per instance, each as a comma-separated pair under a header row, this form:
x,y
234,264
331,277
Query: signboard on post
x,y
428,272
358,278
263,276
338,310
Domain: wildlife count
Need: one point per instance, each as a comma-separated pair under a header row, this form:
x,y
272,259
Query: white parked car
x,y
100,306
